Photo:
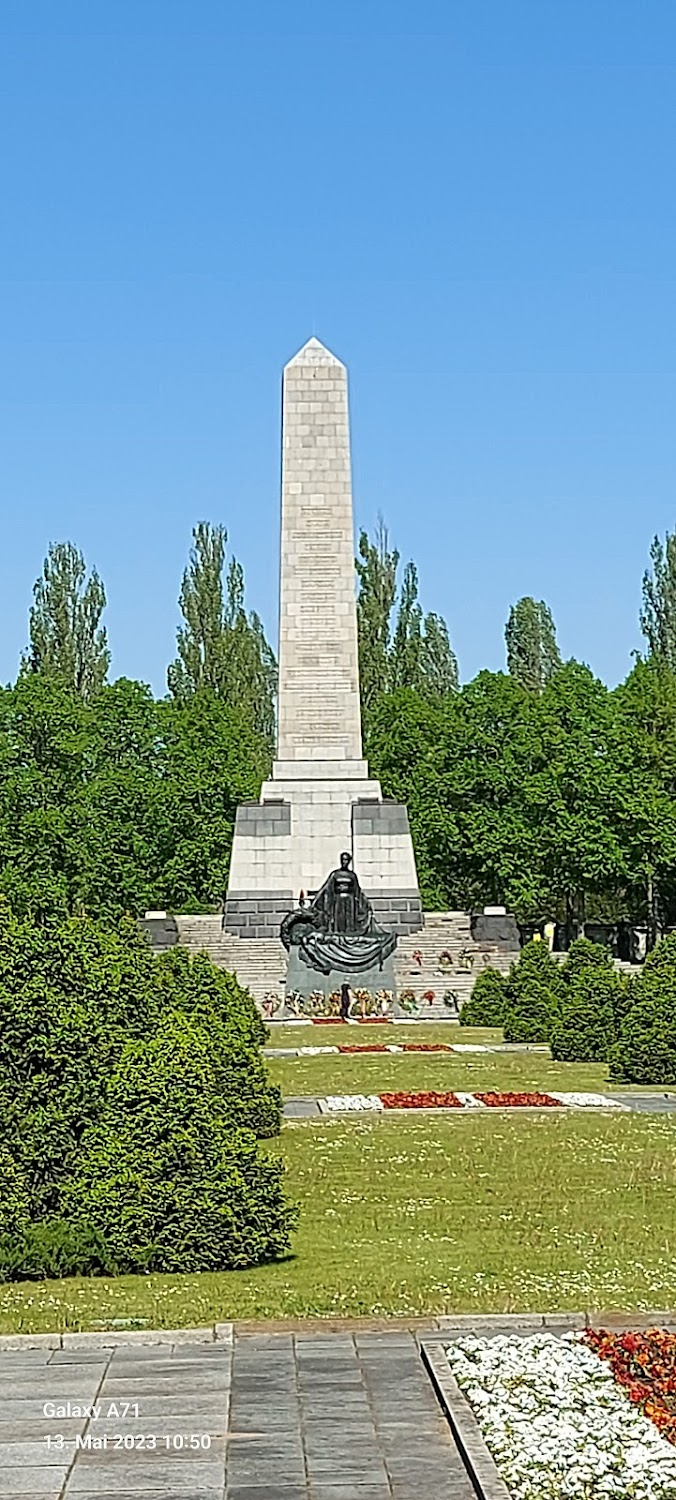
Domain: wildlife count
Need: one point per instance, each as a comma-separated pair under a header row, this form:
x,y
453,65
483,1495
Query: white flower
x,y
339,1103
588,1101
558,1426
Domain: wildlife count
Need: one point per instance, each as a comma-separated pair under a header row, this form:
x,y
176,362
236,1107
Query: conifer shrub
x,y
532,995
586,1029
593,1001
645,1050
133,1080
486,1004
164,1176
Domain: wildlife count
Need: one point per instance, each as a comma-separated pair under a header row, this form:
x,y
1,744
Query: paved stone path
x,y
305,1416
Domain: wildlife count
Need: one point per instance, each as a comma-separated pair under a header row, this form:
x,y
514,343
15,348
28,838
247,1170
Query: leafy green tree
x,y
212,759
572,795
377,574
66,637
533,995
593,1003
644,789
530,635
421,655
439,666
220,648
43,816
416,653
164,1179
487,1002
658,616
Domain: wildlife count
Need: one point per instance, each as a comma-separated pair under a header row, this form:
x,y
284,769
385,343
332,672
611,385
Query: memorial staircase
x,y
260,963
448,933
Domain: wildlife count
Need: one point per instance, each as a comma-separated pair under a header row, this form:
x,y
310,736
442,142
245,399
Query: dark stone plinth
x,y
500,931
398,911
255,914
162,932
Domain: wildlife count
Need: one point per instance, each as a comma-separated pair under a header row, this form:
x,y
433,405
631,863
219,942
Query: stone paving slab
x,y
306,1415
324,1410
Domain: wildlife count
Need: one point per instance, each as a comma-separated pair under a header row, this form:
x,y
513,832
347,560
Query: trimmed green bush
x,y
165,1178
593,1002
645,1051
532,994
54,1248
586,1030
135,1085
486,1004
531,1013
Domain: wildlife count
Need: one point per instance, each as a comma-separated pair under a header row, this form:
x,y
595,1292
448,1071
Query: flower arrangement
x,y
417,957
445,961
351,1103
534,1100
644,1364
451,1001
427,1047
365,1047
383,1001
429,1099
428,995
556,1422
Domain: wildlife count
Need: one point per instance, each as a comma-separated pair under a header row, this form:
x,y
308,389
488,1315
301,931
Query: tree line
x,y
537,787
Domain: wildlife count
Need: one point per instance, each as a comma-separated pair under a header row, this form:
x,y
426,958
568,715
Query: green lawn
x,y
407,1215
376,1073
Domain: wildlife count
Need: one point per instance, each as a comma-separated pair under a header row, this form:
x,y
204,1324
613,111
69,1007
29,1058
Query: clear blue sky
x,y
473,204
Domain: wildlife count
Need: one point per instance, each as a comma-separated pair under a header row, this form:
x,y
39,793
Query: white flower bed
x,y
556,1423
588,1101
357,1103
314,1051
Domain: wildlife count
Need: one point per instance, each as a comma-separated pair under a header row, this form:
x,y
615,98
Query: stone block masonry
x,y
320,799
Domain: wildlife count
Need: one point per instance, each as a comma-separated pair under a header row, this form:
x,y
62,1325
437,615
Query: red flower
x,y
644,1364
535,1100
428,1100
427,1047
367,1047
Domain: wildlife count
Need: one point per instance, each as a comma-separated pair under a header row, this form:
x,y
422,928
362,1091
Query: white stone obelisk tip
x,y
314,353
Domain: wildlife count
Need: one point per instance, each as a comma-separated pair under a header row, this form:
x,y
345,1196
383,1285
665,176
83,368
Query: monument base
x,y
303,980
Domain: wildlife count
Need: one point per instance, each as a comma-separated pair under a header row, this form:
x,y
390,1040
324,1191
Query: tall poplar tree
x,y
377,573
67,639
658,615
530,636
416,653
220,647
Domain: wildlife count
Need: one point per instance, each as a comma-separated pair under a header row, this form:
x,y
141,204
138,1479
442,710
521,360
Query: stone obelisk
x,y
320,799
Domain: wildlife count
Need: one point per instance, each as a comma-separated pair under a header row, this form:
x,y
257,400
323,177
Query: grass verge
x,y
410,1216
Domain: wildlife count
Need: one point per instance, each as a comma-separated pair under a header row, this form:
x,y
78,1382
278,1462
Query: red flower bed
x,y
645,1365
365,1047
427,1047
328,1021
534,1100
429,1100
